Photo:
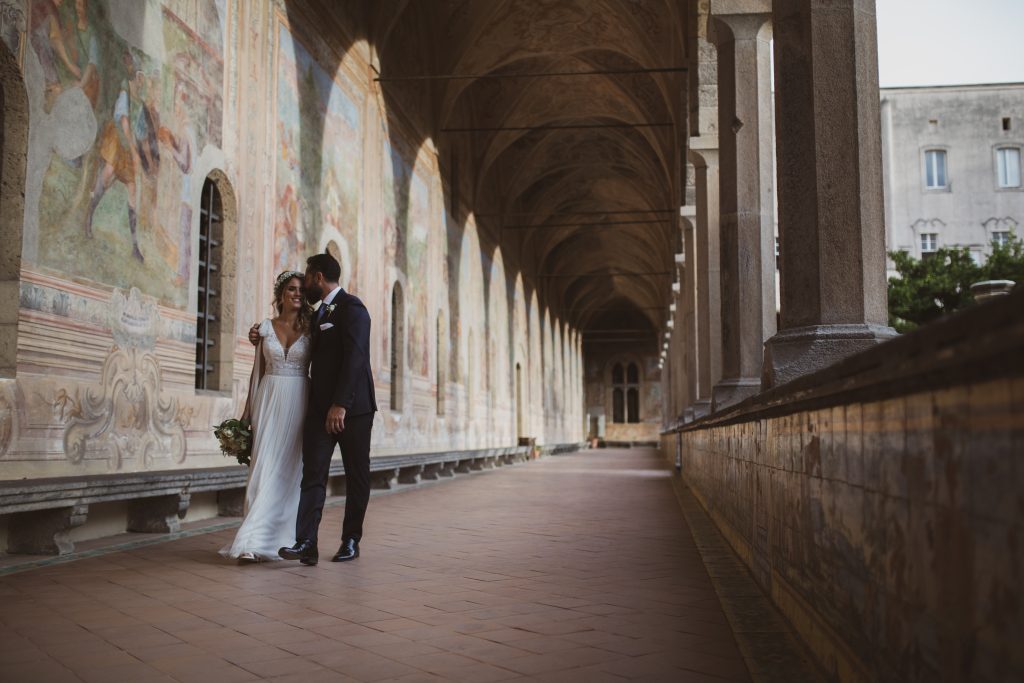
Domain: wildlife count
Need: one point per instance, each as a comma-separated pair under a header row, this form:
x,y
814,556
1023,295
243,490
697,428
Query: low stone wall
x,y
639,431
881,505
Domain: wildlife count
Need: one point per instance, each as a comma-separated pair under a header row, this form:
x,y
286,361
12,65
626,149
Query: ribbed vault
x,y
573,177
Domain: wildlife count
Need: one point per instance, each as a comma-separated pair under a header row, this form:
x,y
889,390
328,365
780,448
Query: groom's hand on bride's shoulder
x,y
254,334
335,420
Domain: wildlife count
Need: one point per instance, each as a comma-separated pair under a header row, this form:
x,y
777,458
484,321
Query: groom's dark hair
x,y
326,265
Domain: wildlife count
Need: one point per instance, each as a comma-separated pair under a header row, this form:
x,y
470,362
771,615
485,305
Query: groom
x,y
340,411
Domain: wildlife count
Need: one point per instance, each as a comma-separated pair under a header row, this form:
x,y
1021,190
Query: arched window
x,y
215,279
633,394
625,393
618,414
442,362
397,347
632,405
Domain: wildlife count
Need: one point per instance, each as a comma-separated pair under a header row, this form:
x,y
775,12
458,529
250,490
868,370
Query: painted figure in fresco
x,y
119,153
66,46
276,406
47,41
182,148
340,411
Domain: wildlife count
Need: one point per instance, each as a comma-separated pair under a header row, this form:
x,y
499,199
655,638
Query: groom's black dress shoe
x,y
304,551
349,550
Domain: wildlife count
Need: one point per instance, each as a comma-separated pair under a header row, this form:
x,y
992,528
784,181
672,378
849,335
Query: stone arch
x,y
13,157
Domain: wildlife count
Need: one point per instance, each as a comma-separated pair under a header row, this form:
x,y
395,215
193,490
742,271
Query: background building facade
x,y
952,167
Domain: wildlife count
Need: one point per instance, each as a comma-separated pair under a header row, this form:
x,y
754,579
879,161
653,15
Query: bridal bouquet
x,y
235,437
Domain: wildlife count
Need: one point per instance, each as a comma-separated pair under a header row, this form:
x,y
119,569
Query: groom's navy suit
x,y
339,376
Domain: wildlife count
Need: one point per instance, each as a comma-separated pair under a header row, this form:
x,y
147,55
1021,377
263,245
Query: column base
x,y
701,408
799,351
729,392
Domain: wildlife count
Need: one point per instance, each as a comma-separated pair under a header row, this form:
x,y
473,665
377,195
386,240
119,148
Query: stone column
x,y
688,314
704,153
747,225
831,222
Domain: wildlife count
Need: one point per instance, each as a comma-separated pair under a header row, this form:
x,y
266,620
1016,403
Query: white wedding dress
x,y
278,410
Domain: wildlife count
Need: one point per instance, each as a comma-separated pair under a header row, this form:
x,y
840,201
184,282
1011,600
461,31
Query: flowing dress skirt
x,y
272,494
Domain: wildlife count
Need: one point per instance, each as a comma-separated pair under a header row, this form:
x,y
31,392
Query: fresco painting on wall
x,y
318,179
407,232
130,95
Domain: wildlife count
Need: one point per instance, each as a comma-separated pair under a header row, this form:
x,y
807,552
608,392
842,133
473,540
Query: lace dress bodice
x,y
281,362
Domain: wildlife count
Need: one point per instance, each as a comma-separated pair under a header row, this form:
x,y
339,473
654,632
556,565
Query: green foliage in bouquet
x,y
235,437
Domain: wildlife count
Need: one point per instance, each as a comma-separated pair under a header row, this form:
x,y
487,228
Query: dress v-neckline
x,y
280,343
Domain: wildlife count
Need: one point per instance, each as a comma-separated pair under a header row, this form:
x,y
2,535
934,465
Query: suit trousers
x,y
317,450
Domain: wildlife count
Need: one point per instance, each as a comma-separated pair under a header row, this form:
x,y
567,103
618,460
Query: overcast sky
x,y
950,42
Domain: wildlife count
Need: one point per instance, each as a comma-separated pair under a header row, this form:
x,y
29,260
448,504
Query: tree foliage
x,y
929,288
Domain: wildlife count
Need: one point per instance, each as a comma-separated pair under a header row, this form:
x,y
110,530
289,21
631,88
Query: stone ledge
x,y
985,341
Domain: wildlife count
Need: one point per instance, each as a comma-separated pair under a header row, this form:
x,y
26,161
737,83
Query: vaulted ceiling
x,y
576,177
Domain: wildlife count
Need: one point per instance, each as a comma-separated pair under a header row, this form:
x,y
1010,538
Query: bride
x,y
276,405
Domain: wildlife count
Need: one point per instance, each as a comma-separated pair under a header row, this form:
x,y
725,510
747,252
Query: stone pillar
x,y
45,532
746,219
688,314
831,216
704,153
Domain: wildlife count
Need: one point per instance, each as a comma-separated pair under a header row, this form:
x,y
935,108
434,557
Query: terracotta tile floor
x,y
572,568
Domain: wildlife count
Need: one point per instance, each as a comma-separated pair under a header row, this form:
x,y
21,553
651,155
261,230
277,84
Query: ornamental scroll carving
x,y
127,417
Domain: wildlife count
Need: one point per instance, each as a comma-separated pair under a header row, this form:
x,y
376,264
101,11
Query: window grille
x,y
1001,237
209,279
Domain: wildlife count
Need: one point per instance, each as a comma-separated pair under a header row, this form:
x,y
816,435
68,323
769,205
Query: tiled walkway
x,y
573,568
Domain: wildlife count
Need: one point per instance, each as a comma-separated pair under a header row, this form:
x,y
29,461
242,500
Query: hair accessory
x,y
287,275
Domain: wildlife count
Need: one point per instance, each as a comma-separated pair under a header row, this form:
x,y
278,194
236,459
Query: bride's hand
x,y
254,334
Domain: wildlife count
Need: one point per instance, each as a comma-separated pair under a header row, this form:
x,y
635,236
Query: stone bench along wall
x,y
40,514
889,531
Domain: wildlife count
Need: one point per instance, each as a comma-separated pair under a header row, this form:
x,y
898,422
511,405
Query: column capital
x,y
702,157
733,20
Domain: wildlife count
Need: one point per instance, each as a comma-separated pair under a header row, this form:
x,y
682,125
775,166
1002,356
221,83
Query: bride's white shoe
x,y
247,558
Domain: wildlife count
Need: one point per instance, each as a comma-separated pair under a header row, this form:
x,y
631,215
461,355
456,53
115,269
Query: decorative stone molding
x,y
129,418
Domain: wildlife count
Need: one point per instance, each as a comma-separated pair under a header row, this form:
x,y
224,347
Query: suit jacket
x,y
340,369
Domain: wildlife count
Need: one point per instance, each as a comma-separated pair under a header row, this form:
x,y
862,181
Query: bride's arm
x,y
258,366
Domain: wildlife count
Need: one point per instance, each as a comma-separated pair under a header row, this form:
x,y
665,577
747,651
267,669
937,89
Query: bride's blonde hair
x,y
305,312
